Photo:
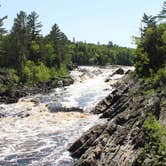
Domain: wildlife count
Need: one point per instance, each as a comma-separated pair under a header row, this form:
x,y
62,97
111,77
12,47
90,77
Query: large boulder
x,y
55,107
67,81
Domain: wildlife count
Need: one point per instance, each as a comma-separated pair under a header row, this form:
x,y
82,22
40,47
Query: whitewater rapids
x,y
32,135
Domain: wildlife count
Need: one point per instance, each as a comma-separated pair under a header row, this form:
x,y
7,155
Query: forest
x,y
30,57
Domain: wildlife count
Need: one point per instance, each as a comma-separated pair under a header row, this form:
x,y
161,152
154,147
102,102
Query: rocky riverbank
x,y
118,141
10,92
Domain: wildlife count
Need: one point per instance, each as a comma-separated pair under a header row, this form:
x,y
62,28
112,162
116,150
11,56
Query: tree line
x,y
31,57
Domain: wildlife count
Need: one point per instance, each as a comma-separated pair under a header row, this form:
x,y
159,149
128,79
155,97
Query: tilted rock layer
x,y
118,141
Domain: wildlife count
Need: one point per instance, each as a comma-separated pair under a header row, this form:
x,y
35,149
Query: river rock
x,y
2,115
67,81
57,107
60,83
119,71
72,66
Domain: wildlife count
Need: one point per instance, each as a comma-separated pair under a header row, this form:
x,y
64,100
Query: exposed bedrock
x,y
117,142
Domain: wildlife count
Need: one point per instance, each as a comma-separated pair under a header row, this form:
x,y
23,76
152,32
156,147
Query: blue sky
x,y
90,20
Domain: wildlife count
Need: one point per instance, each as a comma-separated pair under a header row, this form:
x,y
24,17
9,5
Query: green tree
x,y
162,14
2,32
59,41
19,42
33,26
34,37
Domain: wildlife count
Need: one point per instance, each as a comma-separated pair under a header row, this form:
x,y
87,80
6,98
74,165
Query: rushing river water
x,y
31,134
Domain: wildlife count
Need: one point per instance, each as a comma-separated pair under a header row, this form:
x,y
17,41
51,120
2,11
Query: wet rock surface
x,y
57,107
118,141
119,71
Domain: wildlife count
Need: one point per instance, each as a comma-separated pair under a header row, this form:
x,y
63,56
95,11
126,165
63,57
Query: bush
x,y
63,71
155,142
3,88
13,75
41,73
160,77
33,73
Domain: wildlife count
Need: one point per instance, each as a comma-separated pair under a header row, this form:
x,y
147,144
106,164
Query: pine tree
x,y
34,26
34,37
19,40
162,14
58,40
2,32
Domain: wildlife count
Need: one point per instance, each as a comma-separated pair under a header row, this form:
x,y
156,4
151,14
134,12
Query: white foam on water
x,y
41,137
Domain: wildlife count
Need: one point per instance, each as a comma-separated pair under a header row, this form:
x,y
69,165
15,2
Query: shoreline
x,y
17,91
119,140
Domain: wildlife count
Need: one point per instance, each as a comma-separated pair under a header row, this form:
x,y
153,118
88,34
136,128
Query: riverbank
x,y
120,139
11,92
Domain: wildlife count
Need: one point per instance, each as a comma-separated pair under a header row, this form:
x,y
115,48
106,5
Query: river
x,y
33,131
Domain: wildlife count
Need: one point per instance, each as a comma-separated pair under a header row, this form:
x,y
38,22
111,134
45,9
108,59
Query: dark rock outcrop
x,y
119,71
10,91
118,141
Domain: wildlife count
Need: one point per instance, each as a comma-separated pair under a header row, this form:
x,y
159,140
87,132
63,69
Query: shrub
x,y
160,77
41,73
13,75
3,88
33,73
62,71
155,142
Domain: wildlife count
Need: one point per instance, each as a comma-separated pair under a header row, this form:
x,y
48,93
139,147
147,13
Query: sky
x,y
87,20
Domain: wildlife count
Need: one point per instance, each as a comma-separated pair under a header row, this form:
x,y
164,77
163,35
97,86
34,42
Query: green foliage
x,y
163,37
155,80
35,73
63,71
150,64
2,29
150,59
151,49
35,47
148,92
3,88
58,40
160,77
32,57
155,142
41,73
141,63
33,26
49,56
13,75
91,54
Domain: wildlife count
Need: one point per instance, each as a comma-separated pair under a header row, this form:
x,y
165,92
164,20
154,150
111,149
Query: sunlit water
x,y
31,135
